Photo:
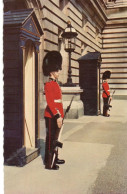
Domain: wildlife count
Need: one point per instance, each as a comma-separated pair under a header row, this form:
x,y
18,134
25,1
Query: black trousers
x,y
52,134
105,106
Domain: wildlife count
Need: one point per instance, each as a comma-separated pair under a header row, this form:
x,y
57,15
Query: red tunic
x,y
53,92
106,92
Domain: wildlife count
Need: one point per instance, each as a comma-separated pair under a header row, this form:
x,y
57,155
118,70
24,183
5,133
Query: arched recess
x,y
29,95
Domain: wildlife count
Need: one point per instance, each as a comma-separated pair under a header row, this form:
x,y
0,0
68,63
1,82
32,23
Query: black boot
x,y
104,111
58,161
55,167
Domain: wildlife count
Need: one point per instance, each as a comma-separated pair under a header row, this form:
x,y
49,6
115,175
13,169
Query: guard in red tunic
x,y
52,64
106,93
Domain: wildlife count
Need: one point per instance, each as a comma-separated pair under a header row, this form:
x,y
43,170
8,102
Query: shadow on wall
x,y
42,150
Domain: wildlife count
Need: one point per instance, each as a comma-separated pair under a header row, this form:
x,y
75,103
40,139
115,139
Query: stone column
x,y
77,108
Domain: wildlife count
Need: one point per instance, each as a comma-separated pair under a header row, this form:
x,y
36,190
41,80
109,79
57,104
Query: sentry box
x,y
22,33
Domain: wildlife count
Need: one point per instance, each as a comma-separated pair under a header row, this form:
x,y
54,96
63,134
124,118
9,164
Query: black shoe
x,y
58,161
55,167
108,115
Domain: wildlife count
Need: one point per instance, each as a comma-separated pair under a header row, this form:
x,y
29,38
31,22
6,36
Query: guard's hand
x,y
59,122
110,98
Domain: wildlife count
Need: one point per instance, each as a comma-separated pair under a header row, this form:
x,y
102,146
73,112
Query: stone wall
x,y
94,34
114,53
55,14
83,19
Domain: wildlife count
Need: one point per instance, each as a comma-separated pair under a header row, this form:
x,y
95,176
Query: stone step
x,y
118,86
114,65
118,35
115,45
117,2
113,60
115,40
118,82
119,93
116,26
117,6
117,21
115,70
114,55
118,78
119,73
123,1
111,5
22,156
31,154
117,14
116,30
114,50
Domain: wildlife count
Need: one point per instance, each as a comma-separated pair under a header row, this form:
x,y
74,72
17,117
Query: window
x,y
84,22
63,5
97,34
83,48
60,40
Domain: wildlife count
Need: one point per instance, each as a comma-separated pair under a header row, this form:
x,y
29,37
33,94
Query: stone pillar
x,y
77,108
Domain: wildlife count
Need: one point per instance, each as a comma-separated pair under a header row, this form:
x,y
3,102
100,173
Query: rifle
x,y
66,111
68,107
109,101
58,143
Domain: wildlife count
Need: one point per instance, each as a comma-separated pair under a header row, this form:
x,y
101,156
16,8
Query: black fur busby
x,y
52,62
106,75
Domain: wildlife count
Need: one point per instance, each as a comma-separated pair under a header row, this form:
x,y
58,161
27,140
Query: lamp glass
x,y
69,44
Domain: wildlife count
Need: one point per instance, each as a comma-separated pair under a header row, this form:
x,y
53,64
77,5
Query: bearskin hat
x,y
106,75
52,62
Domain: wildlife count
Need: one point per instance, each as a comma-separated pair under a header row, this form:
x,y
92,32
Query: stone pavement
x,y
95,150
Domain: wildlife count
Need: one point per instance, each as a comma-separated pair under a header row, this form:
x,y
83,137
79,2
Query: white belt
x,y
58,101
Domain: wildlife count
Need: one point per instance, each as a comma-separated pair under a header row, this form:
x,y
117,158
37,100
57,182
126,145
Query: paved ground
x,y
95,150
